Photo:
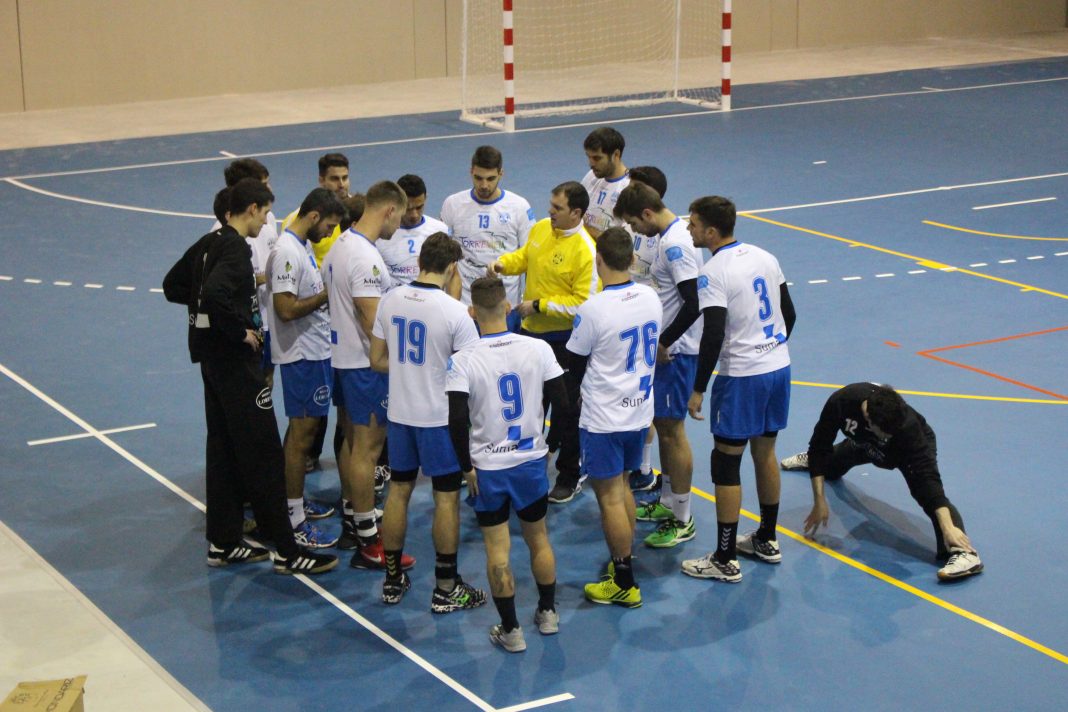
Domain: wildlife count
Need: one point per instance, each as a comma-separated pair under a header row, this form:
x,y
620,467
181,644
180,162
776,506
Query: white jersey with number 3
x,y
503,376
745,280
618,329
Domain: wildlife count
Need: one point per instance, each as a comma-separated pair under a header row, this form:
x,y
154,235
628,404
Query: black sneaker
x,y
349,539
305,562
461,597
393,589
564,492
242,553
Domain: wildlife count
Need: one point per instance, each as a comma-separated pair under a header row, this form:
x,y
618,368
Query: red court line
x,y
929,353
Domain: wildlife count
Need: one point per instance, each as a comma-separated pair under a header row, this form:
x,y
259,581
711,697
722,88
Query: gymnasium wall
x,y
65,53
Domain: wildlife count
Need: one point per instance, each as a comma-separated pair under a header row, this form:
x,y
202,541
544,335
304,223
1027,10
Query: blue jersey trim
x,y
616,180
664,232
492,202
624,285
496,334
725,247
421,222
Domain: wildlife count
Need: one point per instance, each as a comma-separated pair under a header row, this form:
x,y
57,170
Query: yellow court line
x,y
995,234
974,618
933,394
930,264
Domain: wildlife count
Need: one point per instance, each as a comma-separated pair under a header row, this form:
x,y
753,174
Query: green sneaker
x,y
653,512
606,591
671,532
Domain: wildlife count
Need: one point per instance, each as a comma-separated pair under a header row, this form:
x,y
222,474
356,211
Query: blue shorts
x,y
606,455
672,386
412,447
306,388
743,407
362,393
520,486
265,353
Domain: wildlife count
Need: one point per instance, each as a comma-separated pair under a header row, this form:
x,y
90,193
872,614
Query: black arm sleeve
x,y
687,314
711,343
232,268
575,373
459,428
178,284
788,312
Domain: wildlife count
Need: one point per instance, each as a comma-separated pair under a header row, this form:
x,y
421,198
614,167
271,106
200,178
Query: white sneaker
x,y
795,462
512,641
961,563
707,567
767,551
548,622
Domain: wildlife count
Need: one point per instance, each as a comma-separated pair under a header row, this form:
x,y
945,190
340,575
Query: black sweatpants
x,y
567,438
244,455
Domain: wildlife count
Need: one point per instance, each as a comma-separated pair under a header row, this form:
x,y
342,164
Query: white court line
x,y
62,283
851,279
86,201
340,605
445,137
156,290
917,271
817,281
1060,254
885,274
1018,202
126,289
1005,262
979,264
818,163
5,278
79,436
228,154
1037,257
94,286
32,280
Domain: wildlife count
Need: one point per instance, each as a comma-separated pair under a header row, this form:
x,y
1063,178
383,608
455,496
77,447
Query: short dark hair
x,y
245,168
249,191
576,195
487,293
651,176
332,160
412,185
487,157
221,206
616,248
438,252
354,205
887,409
385,191
716,211
606,140
323,201
635,198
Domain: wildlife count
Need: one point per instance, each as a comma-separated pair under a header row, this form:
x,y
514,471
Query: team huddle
x,y
445,343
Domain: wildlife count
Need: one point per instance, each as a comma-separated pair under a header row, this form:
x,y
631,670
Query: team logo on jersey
x,y
289,267
263,399
530,214
702,281
375,271
558,258
504,218
578,320
322,395
674,253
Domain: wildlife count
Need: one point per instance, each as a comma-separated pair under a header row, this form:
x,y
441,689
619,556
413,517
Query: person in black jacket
x,y
881,429
244,459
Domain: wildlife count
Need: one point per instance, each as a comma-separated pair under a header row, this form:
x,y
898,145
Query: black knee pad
x,y
726,469
736,442
447,483
404,475
534,512
492,519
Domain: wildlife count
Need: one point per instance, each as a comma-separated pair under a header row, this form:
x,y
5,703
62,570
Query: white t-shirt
x,y
422,326
355,270
261,247
486,231
676,260
401,251
503,375
291,269
618,328
604,192
745,279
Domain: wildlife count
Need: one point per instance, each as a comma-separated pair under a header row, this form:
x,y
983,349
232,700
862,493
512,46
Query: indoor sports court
x,y
915,195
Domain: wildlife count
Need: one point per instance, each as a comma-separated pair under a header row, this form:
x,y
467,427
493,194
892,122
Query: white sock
x,y
666,496
365,524
296,511
647,459
346,508
681,507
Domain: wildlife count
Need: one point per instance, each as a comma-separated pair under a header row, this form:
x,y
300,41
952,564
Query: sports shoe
x,y
242,553
795,462
653,512
607,591
349,539
373,556
512,641
671,532
306,562
548,622
461,597
308,535
382,475
707,567
317,510
961,563
642,481
764,549
393,589
563,492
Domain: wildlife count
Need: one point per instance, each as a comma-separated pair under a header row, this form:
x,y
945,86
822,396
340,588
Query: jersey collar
x,y
421,222
496,334
624,285
728,246
491,202
670,225
297,237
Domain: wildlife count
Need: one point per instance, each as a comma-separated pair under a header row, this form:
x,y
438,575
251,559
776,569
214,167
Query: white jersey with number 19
x,y
503,376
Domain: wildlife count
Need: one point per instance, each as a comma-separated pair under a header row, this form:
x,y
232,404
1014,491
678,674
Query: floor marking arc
x,y
102,204
1015,202
995,234
79,436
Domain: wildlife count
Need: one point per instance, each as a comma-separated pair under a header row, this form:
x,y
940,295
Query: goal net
x,y
587,55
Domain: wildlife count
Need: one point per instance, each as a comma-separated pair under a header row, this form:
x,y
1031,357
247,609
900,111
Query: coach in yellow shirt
x,y
558,260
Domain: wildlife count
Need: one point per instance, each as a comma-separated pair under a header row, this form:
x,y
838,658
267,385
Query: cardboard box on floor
x,y
46,695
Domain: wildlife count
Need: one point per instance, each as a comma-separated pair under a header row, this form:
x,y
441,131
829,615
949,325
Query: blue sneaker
x,y
317,510
641,481
310,536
